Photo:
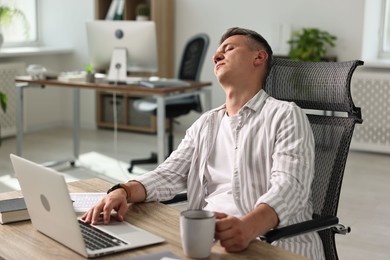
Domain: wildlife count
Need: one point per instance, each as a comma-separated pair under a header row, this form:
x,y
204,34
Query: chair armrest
x,y
301,228
178,198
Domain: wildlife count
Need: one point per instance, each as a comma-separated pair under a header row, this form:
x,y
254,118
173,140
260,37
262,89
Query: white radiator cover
x,y
8,72
371,92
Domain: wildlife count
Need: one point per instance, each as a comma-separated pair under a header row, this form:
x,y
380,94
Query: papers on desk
x,y
164,83
72,76
82,202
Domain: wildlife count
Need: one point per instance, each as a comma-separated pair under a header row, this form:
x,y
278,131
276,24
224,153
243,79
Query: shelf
x,y
32,51
161,12
127,117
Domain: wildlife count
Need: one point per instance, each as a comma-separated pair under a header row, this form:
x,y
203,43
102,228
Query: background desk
x,y
160,94
22,241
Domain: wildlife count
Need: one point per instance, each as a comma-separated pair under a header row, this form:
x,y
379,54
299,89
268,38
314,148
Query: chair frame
x,y
196,77
328,86
325,220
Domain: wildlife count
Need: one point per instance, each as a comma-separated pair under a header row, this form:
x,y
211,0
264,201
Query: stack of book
x,y
115,12
13,210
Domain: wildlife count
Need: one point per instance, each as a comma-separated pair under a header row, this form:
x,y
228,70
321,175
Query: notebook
x,y
51,211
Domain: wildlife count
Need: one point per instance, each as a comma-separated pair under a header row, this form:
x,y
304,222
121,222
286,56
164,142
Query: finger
x,y
84,216
95,214
224,234
107,213
87,216
234,249
227,243
220,215
122,211
223,224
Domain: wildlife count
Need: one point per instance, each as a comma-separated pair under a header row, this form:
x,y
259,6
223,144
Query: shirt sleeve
x,y
293,166
170,177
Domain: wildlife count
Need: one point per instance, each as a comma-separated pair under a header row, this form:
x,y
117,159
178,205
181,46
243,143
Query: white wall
x,y
63,23
343,18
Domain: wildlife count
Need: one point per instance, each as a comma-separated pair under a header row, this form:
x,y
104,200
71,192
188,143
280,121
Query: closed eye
x,y
229,48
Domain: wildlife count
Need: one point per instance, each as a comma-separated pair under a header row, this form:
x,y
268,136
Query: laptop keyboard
x,y
96,239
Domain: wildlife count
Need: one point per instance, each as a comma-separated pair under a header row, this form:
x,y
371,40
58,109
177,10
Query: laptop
x,y
51,211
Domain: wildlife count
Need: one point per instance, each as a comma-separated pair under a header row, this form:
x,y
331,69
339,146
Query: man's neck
x,y
236,99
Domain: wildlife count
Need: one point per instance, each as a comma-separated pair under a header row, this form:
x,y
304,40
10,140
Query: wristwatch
x,y
120,186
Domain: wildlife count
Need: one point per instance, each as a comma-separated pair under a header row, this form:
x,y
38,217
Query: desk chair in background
x,y
190,69
324,87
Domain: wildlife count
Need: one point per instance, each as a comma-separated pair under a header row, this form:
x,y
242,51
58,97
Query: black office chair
x,y
190,69
324,87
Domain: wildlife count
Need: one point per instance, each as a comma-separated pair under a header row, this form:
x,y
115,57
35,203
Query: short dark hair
x,y
254,36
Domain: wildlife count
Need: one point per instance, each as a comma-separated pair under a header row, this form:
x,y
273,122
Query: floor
x,y
364,202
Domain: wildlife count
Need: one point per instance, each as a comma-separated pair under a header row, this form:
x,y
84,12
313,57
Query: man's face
x,y
234,58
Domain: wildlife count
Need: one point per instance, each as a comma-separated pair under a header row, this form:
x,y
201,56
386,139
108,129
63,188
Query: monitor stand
x,y
117,73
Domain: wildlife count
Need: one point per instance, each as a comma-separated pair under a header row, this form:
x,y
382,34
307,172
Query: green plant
x,y
142,10
3,101
7,14
88,68
310,44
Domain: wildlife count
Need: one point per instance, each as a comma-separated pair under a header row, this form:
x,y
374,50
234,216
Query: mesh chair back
x,y
323,86
190,69
193,57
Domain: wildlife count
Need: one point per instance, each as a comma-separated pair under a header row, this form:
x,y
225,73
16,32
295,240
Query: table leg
x,y
19,117
76,123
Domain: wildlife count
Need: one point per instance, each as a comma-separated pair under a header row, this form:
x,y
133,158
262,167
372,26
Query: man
x,y
251,161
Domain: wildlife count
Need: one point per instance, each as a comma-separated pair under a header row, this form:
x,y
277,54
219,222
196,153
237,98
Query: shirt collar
x,y
254,104
257,101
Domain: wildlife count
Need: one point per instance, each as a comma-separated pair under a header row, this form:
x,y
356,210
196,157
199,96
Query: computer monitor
x,y
122,46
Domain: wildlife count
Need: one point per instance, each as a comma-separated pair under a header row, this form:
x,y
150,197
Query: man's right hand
x,y
116,200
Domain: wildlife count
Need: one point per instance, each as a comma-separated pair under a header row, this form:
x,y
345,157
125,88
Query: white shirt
x,y
273,164
220,169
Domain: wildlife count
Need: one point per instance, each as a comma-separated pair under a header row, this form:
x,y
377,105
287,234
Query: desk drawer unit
x,y
128,118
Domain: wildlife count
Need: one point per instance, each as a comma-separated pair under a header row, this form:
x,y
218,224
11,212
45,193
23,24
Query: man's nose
x,y
217,57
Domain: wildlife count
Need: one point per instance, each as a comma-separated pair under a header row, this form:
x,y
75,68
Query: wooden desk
x,y
22,241
160,94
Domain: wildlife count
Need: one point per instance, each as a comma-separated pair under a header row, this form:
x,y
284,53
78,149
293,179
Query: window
x,y
21,28
384,44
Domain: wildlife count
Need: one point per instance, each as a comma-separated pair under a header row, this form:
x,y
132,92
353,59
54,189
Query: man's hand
x,y
116,200
233,233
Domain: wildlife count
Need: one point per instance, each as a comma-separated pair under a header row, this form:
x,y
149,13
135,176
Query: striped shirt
x,y
274,164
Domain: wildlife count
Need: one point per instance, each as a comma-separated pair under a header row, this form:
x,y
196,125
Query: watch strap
x,y
120,186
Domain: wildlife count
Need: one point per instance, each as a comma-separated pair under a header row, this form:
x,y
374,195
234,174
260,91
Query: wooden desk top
x,y
134,89
21,241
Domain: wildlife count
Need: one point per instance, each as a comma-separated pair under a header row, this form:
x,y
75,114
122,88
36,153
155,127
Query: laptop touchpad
x,y
119,228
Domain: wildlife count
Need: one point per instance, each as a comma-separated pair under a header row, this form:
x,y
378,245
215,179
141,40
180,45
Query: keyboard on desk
x,y
164,83
96,239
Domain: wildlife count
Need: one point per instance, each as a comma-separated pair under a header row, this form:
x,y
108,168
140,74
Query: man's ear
x,y
261,57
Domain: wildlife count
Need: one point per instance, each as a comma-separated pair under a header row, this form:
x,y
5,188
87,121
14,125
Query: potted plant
x,y
3,101
3,105
90,73
142,12
7,14
310,44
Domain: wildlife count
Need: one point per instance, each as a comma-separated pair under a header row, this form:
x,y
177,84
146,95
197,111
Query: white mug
x,y
197,228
